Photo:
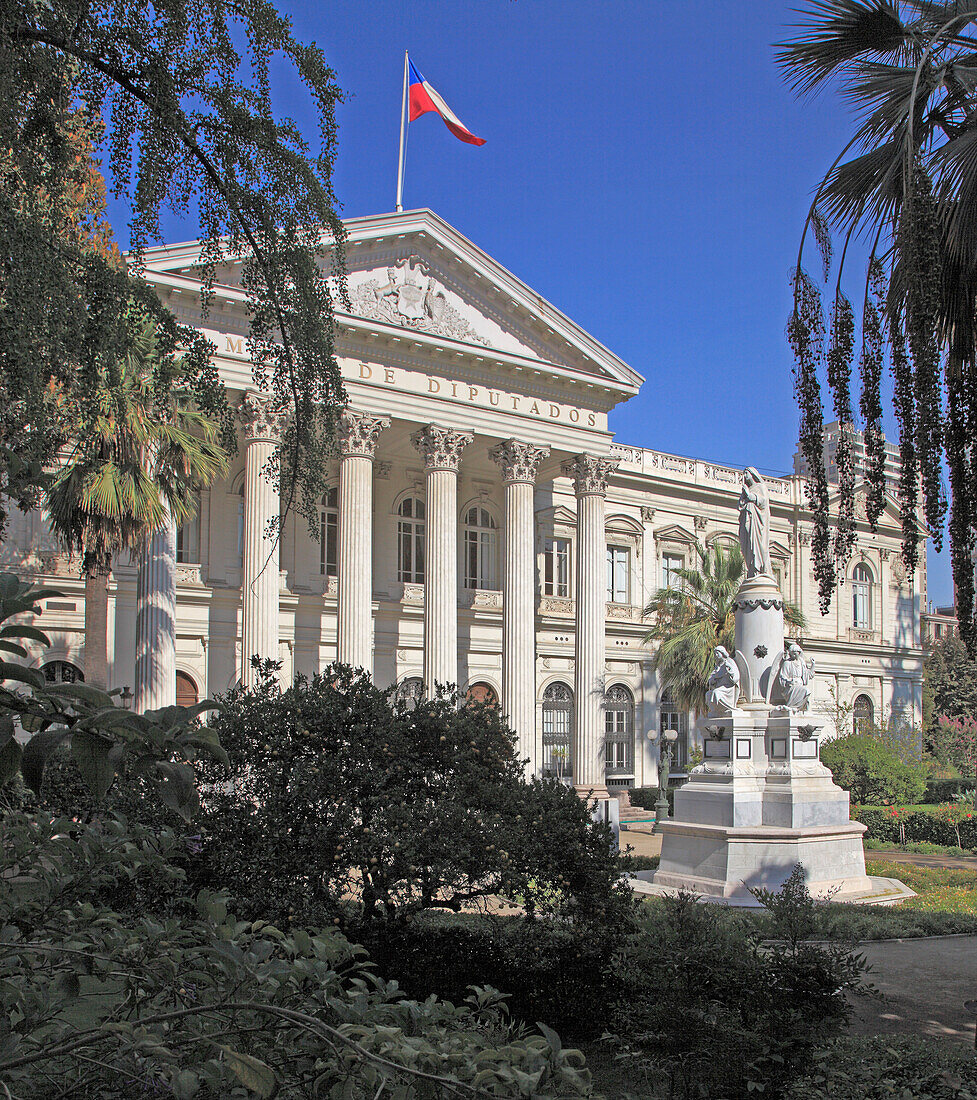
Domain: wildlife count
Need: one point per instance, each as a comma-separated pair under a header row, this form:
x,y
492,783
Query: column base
x,y
591,793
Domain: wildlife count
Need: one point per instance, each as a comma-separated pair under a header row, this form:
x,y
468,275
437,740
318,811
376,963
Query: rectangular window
x,y
618,574
411,537
556,567
617,742
480,557
329,543
671,563
676,720
188,542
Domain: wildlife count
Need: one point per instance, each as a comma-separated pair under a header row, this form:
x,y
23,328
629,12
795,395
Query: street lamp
x,y
666,742
126,697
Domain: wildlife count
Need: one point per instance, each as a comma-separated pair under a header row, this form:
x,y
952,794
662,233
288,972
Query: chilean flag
x,y
424,98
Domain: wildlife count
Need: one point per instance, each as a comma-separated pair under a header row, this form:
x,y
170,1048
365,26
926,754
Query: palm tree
x,y
133,462
692,617
906,183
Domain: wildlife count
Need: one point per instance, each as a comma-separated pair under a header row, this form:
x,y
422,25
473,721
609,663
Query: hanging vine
x,y
870,399
918,244
805,333
841,352
902,396
908,178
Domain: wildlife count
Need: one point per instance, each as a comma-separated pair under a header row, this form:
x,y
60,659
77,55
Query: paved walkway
x,y
918,859
925,982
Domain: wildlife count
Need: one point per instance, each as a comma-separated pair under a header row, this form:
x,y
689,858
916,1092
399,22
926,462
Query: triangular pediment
x,y
674,532
891,509
413,272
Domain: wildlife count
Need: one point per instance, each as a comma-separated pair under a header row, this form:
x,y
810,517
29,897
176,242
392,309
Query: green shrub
x,y
646,797
121,1006
871,770
883,1067
943,790
548,970
344,806
706,1010
947,826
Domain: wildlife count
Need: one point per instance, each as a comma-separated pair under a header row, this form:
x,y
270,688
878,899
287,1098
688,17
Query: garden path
x,y
918,859
926,982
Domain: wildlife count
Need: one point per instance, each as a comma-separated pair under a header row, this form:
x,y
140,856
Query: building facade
x,y
482,526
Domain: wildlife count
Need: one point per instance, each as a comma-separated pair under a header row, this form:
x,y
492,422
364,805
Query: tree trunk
x,y
96,630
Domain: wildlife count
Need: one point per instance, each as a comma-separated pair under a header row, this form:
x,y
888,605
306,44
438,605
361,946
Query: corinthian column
x,y
590,482
358,436
519,462
441,448
260,581
156,621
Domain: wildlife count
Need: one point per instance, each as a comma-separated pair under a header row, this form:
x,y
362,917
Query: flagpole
x,y
403,127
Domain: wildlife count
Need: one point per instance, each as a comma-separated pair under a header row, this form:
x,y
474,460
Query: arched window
x,y
618,732
863,714
482,693
557,727
861,597
409,690
62,672
481,548
672,718
410,541
186,690
329,533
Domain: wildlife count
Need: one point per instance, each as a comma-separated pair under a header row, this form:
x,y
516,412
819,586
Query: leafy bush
x,y
719,1014
944,790
871,770
950,826
548,970
888,1066
343,806
646,797
205,1005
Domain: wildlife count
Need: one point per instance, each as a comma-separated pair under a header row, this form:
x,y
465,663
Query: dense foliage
x,y
952,825
693,615
722,1014
342,803
871,770
905,181
185,92
98,1002
949,681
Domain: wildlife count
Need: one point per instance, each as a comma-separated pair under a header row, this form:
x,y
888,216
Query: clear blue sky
x,y
645,169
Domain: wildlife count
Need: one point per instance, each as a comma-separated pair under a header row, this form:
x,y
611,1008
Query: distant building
x,y
937,623
832,435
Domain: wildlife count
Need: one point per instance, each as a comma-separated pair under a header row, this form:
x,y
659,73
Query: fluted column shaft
x,y
156,621
519,462
590,482
357,441
260,580
442,449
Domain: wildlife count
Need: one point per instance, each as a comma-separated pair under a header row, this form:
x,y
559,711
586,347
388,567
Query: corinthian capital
x,y
589,473
358,433
441,447
519,461
260,420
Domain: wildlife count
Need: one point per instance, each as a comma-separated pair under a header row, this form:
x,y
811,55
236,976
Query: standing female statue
x,y
754,506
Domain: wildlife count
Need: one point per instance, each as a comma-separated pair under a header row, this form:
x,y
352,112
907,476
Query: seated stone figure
x,y
723,684
796,679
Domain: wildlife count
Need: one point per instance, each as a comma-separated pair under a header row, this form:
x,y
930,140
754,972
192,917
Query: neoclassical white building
x,y
482,527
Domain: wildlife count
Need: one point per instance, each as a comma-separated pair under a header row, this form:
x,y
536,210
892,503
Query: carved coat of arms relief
x,y
412,298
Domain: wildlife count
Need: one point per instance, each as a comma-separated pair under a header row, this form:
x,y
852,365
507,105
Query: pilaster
x,y
156,621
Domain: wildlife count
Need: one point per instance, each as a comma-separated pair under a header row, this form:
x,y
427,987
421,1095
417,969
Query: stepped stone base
x,y
724,862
